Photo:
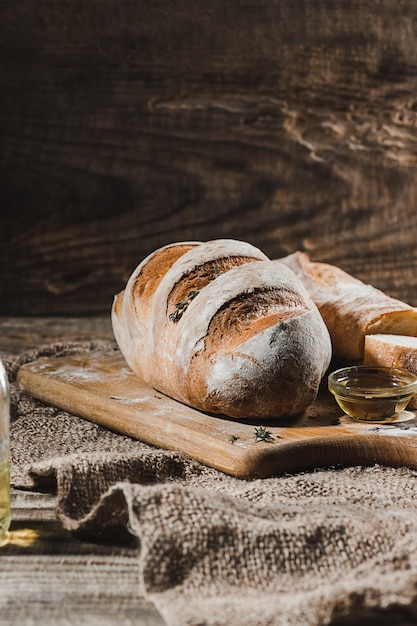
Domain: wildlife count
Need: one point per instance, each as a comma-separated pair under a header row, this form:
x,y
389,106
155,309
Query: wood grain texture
x,y
21,334
100,387
129,125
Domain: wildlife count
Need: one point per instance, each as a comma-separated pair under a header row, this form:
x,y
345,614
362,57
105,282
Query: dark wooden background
x,y
129,124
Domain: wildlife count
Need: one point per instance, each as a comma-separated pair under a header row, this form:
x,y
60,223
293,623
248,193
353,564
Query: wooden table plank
x,y
18,334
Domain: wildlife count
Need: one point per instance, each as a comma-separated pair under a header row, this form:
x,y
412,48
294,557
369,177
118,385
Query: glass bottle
x,y
4,455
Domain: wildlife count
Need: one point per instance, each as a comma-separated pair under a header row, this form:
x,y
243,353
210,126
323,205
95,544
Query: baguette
x,y
392,351
222,328
350,308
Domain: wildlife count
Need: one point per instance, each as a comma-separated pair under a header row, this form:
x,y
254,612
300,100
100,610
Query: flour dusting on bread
x,y
224,329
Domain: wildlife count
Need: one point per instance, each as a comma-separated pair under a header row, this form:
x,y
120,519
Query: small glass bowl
x,y
372,394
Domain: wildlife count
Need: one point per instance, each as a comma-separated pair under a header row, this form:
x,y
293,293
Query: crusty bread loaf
x,y
392,351
220,327
350,308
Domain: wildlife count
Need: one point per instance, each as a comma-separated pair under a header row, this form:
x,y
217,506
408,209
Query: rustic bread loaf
x,y
350,308
220,327
392,351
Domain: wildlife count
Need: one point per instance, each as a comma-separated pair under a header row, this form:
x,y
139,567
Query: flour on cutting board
x,y
395,429
405,424
69,373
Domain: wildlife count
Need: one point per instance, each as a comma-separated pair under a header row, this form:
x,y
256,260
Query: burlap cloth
x,y
213,550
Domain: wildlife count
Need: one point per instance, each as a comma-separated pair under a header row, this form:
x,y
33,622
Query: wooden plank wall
x,y
129,124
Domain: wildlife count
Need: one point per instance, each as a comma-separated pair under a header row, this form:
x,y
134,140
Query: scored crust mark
x,y
250,314
153,271
190,285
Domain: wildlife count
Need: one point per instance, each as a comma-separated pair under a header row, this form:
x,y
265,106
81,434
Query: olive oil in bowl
x,y
372,394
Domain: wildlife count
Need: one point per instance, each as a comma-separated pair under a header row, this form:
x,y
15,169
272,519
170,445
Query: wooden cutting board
x,y
101,388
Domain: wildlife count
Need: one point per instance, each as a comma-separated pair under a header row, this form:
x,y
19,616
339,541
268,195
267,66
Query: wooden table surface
x,y
47,576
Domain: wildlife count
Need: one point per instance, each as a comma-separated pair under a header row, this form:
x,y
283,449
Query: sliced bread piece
x,y
392,351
